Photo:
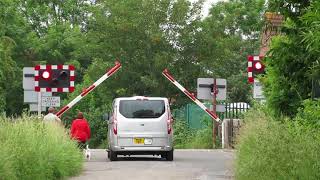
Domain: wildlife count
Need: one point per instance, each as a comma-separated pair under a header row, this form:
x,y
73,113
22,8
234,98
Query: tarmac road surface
x,y
187,164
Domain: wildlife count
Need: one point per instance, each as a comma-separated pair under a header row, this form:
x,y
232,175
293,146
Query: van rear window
x,y
142,108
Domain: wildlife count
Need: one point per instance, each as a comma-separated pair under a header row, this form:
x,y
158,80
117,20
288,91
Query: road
x,y
187,164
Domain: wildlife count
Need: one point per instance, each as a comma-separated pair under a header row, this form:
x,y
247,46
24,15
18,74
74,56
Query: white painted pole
x,y
223,135
39,104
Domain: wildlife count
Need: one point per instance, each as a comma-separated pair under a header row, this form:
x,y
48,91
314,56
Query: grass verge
x,y
269,149
31,149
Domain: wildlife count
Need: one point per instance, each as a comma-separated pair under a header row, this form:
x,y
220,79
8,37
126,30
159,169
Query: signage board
x,y
205,87
219,108
257,90
28,78
53,101
30,96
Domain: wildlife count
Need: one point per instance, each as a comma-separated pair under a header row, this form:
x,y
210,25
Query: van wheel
x,y
108,154
113,155
169,155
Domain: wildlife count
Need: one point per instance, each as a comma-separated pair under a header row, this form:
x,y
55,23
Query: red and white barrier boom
x,y
90,88
190,95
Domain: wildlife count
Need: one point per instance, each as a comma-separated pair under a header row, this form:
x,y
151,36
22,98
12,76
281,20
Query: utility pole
x,y
214,111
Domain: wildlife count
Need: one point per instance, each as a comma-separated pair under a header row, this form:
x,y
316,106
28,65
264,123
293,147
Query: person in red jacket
x,y
80,130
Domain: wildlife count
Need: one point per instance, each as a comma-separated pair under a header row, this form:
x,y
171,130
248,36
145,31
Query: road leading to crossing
x,y
187,164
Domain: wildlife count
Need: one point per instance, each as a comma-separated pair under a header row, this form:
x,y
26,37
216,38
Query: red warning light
x,y
46,75
258,66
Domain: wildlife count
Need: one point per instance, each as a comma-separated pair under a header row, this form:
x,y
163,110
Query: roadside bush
x,y
33,150
309,114
269,149
181,134
186,138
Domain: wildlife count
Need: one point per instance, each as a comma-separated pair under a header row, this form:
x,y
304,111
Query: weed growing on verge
x,y
31,149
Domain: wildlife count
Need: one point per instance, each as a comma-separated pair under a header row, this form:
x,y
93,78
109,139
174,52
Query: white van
x,y
140,126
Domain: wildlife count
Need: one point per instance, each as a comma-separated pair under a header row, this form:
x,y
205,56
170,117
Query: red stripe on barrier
x,y
71,67
250,58
59,66
64,109
59,89
250,69
48,67
250,79
86,91
48,89
37,67
37,88
71,89
114,69
214,116
72,78
166,73
190,95
36,78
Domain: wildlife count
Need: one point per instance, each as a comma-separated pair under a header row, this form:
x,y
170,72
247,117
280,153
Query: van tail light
x,y
169,126
115,123
169,121
115,127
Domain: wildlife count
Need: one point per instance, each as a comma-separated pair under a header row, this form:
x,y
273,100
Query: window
x,y
142,108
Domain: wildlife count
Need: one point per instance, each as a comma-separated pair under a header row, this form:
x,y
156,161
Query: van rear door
x,y
142,118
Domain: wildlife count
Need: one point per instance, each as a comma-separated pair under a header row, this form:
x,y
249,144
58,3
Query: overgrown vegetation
x,y
187,138
282,140
279,149
293,61
31,149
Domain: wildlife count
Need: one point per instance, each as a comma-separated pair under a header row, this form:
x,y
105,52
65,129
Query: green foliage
x,y
309,114
269,149
229,34
182,134
186,138
31,149
293,62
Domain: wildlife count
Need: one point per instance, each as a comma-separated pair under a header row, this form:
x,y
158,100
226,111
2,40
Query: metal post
x,y
39,104
214,110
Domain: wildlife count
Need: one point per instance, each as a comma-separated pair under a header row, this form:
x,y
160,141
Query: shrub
x,y
181,133
31,149
186,138
269,149
309,114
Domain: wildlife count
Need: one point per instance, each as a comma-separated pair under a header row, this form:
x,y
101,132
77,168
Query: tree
x,y
228,35
292,58
12,27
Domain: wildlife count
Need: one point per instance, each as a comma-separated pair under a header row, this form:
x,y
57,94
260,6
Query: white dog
x,y
87,152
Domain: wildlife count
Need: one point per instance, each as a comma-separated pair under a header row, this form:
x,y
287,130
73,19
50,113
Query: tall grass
x,y
33,150
187,138
269,149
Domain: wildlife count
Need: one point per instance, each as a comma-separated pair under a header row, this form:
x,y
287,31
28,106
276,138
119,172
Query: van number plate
x,y
138,140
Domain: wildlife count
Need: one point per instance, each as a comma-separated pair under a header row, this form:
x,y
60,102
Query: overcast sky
x,y
207,6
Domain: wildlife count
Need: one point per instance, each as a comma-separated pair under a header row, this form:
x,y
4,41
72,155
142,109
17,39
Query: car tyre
x,y
113,155
108,154
169,155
